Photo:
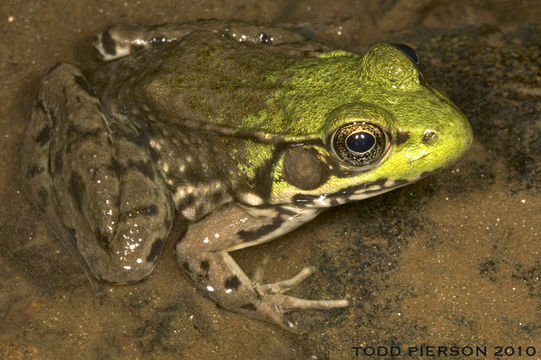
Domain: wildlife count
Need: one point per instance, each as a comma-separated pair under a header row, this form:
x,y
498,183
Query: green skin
x,y
239,140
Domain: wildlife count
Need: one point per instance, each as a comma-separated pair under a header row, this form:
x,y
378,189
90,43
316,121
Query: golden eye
x,y
359,143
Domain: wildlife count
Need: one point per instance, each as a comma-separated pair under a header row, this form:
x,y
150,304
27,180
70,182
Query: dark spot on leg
x,y
156,250
204,266
232,283
34,170
186,266
43,196
251,235
81,81
77,188
43,136
108,43
248,306
188,201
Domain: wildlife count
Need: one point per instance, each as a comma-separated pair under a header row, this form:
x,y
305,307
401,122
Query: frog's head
x,y
386,128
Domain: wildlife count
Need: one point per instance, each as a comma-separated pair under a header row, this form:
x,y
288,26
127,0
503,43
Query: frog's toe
x,y
285,303
275,291
274,304
271,308
286,285
275,307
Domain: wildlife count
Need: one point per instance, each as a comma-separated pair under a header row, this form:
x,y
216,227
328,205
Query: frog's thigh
x,y
101,179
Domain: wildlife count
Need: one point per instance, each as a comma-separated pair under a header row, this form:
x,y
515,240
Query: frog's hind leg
x,y
94,179
36,168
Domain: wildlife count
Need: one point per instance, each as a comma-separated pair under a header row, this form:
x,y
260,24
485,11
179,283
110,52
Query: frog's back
x,y
202,78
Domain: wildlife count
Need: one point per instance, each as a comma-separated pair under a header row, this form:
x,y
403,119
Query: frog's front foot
x,y
204,253
275,304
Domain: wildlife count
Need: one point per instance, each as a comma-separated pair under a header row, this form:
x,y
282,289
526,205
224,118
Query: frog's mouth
x,y
364,191
354,193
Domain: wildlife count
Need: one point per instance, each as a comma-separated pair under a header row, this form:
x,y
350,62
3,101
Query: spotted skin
x,y
81,178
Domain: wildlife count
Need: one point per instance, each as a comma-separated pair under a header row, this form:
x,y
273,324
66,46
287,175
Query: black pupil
x,y
360,142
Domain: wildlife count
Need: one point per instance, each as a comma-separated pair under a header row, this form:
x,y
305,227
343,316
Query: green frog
x,y
238,132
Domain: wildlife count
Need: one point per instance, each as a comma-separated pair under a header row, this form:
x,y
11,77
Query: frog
x,y
237,133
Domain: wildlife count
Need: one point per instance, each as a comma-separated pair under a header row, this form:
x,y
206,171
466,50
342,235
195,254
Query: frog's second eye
x,y
409,52
359,143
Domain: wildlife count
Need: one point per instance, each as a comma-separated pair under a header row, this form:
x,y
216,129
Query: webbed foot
x,y
274,304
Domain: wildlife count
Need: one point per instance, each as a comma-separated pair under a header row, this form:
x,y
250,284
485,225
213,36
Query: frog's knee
x,y
120,270
126,264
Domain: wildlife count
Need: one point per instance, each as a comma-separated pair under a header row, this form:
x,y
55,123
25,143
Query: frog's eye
x,y
409,52
359,143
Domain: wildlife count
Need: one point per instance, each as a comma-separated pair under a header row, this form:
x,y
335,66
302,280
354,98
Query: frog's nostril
x,y
430,137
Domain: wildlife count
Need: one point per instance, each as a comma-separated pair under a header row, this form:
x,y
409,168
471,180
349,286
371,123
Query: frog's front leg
x,y
204,254
93,177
